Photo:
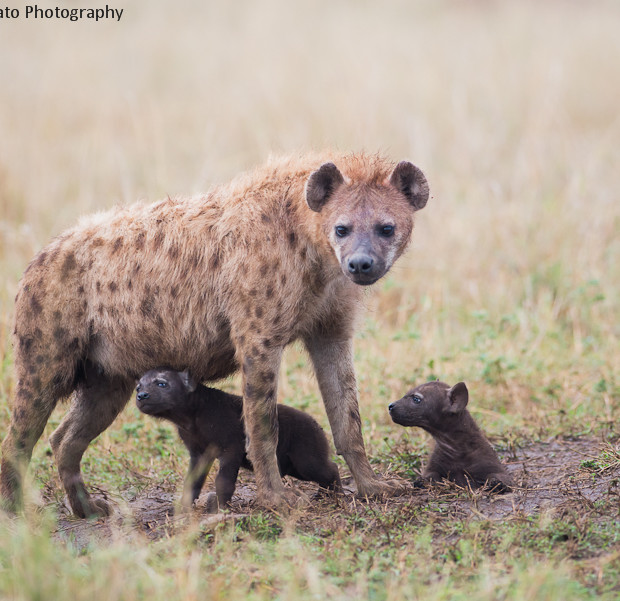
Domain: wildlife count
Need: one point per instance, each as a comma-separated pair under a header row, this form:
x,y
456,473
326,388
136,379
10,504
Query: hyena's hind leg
x,y
32,407
97,401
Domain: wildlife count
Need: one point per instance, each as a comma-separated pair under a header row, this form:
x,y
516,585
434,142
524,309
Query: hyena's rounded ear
x,y
321,184
409,180
188,381
458,396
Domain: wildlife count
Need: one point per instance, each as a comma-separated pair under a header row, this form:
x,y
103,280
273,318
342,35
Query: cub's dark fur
x,y
210,423
462,453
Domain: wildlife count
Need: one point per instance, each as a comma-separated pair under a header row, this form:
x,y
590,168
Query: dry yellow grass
x,y
511,111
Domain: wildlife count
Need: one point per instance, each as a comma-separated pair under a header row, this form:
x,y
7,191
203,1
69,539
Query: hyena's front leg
x,y
333,365
260,367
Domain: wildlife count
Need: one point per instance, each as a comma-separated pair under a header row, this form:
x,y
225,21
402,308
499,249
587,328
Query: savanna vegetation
x,y
511,284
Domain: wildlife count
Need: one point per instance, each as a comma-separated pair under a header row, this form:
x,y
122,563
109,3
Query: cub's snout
x,y
158,390
142,400
403,412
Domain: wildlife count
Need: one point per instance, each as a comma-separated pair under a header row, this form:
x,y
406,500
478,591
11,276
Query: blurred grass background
x,y
510,109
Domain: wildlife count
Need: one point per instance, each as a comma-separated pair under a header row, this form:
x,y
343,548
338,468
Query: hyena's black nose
x,y
390,406
360,263
141,396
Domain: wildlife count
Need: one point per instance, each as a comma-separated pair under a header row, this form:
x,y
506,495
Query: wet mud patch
x,y
558,477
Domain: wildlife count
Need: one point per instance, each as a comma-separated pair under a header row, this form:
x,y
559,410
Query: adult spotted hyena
x,y
211,284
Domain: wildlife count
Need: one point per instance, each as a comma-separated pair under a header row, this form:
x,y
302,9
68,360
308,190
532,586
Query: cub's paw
x,y
496,486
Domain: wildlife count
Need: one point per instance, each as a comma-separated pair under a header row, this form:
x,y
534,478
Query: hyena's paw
x,y
378,488
212,505
284,499
92,508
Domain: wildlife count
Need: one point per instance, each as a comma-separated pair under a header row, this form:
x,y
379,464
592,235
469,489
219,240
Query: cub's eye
x,y
138,386
416,399
162,383
341,231
386,230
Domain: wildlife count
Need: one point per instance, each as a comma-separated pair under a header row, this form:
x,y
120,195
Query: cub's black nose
x,y
142,395
390,406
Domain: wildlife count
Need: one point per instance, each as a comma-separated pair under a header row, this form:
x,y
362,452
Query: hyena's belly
x,y
131,349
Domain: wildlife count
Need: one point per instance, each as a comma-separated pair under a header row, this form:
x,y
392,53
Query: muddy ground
x,y
563,475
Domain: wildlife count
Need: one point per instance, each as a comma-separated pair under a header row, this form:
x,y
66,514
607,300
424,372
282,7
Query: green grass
x,y
422,556
511,283
608,459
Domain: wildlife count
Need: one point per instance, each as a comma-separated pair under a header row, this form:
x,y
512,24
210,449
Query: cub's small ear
x,y
409,180
188,381
321,184
458,396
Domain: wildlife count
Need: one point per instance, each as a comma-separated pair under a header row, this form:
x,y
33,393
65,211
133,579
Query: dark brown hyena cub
x,y
210,423
462,453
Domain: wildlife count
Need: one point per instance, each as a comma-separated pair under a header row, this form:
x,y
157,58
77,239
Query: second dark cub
x,y
210,423
462,453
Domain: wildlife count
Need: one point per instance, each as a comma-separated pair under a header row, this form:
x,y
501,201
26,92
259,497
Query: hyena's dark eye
x,y
341,231
162,383
416,399
386,230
